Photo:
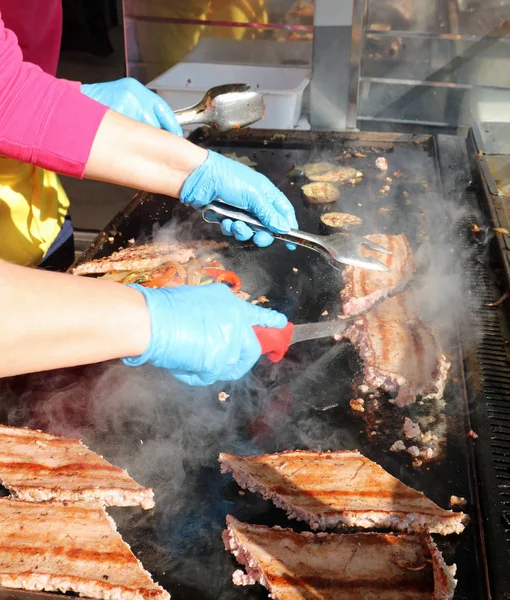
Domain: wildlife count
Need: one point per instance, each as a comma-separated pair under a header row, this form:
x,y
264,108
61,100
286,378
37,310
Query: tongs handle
x,y
215,212
188,116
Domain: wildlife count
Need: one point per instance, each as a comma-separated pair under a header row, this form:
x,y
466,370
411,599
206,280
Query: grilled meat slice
x,y
400,353
328,489
363,288
361,566
37,466
60,546
148,256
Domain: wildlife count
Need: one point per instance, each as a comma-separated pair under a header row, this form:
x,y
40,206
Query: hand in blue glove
x,y
203,334
132,99
238,185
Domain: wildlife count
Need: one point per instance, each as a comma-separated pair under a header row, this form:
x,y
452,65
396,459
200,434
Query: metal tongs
x,y
225,107
339,248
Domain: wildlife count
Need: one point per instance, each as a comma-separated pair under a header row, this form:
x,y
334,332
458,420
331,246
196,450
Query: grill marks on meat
x,y
330,489
60,546
400,353
37,466
364,288
148,256
363,566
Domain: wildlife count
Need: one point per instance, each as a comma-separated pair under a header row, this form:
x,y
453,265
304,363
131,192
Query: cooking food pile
x,y
165,265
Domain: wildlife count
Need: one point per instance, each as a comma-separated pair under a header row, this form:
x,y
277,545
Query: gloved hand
x,y
238,185
132,99
203,334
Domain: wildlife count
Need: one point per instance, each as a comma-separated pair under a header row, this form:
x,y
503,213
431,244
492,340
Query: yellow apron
x,y
163,45
33,206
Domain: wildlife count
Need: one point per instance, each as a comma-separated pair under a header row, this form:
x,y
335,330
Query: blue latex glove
x,y
203,334
238,185
132,99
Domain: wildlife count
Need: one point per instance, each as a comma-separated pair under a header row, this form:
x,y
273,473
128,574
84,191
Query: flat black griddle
x,y
169,436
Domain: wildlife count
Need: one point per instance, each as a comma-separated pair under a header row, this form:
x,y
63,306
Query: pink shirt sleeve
x,y
43,120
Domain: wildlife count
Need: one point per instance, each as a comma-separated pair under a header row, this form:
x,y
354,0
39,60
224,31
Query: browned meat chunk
x,y
148,256
328,489
37,466
69,547
363,288
381,163
400,353
361,566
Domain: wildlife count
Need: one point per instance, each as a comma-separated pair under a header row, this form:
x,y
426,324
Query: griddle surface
x,y
172,435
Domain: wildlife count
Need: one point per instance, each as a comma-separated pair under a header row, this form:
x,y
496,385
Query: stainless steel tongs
x,y
337,248
225,107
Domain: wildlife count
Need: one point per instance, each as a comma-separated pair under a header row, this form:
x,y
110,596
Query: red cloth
x,y
43,120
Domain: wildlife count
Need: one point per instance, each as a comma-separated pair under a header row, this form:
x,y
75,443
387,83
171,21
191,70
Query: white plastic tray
x,y
282,87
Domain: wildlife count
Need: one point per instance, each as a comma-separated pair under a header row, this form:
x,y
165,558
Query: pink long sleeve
x,y
43,120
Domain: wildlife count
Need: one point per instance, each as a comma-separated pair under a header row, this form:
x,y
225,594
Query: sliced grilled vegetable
x,y
116,275
340,220
312,169
339,174
172,274
136,277
223,276
320,193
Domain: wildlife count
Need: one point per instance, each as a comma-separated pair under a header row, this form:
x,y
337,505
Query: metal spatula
x,y
225,107
339,248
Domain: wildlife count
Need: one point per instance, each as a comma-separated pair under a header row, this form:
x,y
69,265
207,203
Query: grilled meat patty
x,y
400,353
148,256
328,489
37,466
362,566
363,288
60,546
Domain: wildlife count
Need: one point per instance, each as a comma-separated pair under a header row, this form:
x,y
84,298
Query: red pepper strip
x,y
222,276
215,263
167,274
